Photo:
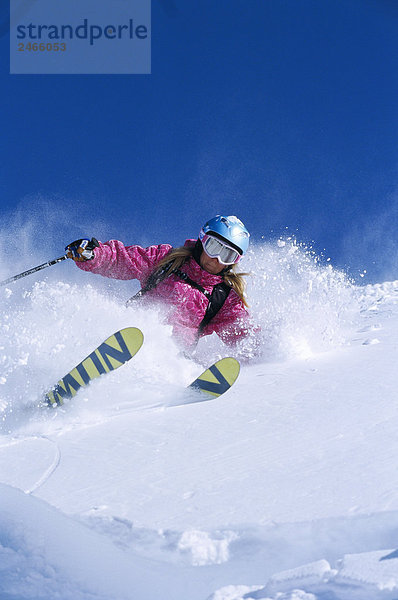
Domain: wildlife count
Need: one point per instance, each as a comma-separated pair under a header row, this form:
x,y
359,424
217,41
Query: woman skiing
x,y
197,282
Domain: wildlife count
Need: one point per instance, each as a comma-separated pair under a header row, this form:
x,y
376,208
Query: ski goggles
x,y
215,248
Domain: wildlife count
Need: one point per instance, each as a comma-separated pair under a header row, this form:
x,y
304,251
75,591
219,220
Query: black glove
x,y
81,250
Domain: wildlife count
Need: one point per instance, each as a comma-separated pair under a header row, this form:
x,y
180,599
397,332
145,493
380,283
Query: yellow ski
x,y
111,354
217,379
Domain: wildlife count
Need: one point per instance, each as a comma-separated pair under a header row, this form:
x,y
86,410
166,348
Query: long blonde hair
x,y
177,256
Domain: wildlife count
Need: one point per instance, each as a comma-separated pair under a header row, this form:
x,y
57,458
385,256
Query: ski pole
x,y
34,270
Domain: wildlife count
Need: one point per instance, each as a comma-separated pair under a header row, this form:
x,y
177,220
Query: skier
x,y
197,282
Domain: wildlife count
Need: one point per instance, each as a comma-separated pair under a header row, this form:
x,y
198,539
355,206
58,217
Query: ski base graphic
x,y
216,380
116,350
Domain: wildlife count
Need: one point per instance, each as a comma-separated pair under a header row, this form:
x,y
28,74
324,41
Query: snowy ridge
x,y
284,489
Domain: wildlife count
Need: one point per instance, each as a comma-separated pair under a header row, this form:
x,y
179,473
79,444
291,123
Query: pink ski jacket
x,y
186,306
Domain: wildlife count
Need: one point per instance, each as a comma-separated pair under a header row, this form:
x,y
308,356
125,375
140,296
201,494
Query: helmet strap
x,y
197,251
227,268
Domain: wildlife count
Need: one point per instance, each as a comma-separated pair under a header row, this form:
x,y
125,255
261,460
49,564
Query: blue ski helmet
x,y
230,229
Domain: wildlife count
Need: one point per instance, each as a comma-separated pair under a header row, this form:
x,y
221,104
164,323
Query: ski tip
x,y
229,363
132,331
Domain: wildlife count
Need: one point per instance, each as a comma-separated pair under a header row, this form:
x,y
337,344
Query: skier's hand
x,y
81,250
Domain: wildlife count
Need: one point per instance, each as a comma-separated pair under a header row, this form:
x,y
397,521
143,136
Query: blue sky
x,y
283,112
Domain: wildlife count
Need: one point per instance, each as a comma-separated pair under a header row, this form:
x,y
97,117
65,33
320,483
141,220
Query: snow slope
x,y
286,488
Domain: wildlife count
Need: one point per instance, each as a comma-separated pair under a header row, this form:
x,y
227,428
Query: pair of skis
x,y
120,348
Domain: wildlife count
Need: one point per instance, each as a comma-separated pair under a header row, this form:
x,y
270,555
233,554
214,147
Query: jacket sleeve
x,y
114,259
